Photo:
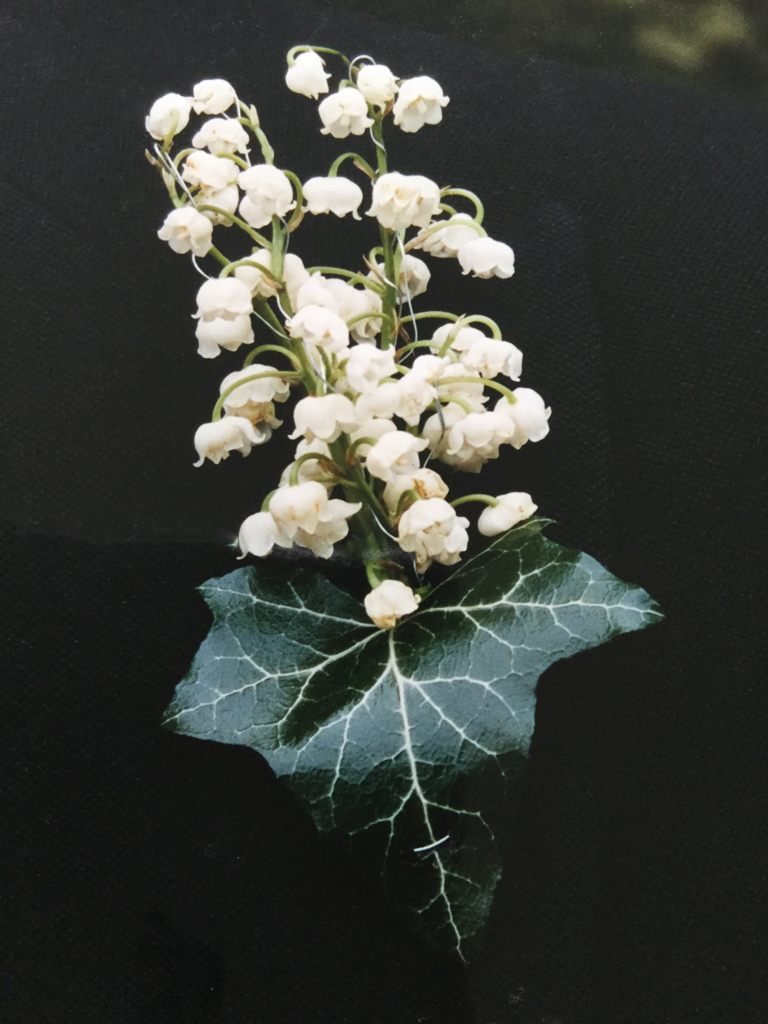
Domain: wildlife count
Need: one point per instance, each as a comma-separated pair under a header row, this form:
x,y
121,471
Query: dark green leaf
x,y
374,728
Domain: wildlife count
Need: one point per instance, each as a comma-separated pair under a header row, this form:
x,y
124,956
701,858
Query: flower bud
x,y
419,102
390,601
343,113
333,195
486,258
512,509
216,440
377,83
185,229
164,112
306,75
213,96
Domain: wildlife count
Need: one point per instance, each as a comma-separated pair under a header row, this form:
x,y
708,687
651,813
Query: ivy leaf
x,y
373,729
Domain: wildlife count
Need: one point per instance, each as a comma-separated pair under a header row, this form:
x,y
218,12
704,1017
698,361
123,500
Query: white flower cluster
x,y
379,403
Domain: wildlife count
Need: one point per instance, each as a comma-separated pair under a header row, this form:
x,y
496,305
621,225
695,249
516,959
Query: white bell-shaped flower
x,y
170,112
469,391
402,200
310,469
187,230
485,257
258,535
223,297
419,102
294,276
325,417
319,326
331,527
216,440
479,433
413,277
528,414
490,358
267,192
433,532
333,195
390,601
213,96
259,284
377,83
265,389
214,335
414,394
374,429
425,482
381,403
208,172
446,242
430,368
298,507
221,135
317,291
344,113
307,76
512,509
352,302
225,199
366,365
395,453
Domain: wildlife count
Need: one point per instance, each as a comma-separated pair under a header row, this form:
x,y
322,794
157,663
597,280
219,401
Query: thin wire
x,y
199,269
169,165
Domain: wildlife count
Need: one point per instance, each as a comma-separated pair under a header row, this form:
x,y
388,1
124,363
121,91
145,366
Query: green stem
x,y
291,55
477,319
272,348
440,226
263,242
479,380
293,476
278,248
357,443
432,314
409,494
235,159
359,162
248,263
298,212
213,251
266,150
283,374
485,498
479,208
374,286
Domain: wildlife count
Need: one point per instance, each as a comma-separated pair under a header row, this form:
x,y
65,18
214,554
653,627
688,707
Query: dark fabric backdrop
x,y
148,878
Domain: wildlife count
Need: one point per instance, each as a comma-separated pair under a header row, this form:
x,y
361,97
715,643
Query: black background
x,y
150,878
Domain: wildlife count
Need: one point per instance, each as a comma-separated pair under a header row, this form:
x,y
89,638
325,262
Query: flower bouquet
x,y
371,711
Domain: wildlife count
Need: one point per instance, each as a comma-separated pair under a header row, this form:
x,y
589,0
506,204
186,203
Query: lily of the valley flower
x,y
402,200
344,113
390,601
317,325
512,509
485,257
170,112
221,135
214,335
256,280
225,199
208,172
395,453
267,192
377,83
213,96
307,76
447,241
433,532
258,535
333,195
325,417
529,416
216,440
263,389
419,102
305,515
223,297
425,482
366,365
187,230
